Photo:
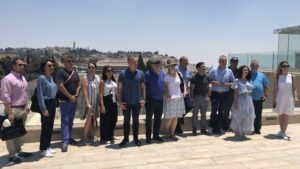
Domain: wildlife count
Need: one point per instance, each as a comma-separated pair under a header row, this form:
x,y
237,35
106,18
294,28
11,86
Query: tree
x,y
141,64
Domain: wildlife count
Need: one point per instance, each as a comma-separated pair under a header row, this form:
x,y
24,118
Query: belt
x,y
20,107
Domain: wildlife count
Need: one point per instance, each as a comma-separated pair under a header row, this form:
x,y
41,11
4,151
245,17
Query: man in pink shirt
x,y
14,97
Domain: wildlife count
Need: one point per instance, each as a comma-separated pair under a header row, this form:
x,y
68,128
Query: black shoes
x,y
73,142
194,133
204,131
159,139
123,143
148,140
137,142
179,130
15,159
64,147
24,154
173,137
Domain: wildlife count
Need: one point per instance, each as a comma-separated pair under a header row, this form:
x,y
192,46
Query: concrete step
x,y
33,125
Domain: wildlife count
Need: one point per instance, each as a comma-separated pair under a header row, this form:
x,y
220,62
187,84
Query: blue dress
x,y
243,116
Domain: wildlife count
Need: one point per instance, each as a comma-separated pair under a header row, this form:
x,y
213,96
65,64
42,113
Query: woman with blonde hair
x,y
284,96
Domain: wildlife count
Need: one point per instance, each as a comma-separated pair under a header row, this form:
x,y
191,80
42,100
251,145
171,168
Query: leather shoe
x,y
159,139
15,159
148,140
72,142
64,147
24,154
137,142
123,143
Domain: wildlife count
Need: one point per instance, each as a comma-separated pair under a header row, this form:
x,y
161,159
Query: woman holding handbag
x,y
46,97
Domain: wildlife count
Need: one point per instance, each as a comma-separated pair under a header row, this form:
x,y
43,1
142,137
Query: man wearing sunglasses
x,y
68,83
14,97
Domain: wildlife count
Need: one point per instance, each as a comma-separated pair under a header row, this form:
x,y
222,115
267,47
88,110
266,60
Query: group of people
x,y
236,95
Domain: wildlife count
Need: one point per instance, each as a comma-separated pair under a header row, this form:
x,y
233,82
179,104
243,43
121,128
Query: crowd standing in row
x,y
240,91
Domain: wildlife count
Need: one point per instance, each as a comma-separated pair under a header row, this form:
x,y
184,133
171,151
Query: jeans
x,y
155,107
67,110
200,103
133,109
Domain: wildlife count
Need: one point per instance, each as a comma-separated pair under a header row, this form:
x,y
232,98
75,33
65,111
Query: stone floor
x,y
204,152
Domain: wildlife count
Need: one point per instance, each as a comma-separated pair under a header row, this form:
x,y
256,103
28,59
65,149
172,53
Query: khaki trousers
x,y
14,145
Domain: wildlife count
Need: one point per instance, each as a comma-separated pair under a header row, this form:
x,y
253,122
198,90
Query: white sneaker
x,y
279,134
46,153
284,136
52,151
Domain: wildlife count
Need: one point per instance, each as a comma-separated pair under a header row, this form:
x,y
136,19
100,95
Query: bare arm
x,y
64,91
275,88
84,86
294,89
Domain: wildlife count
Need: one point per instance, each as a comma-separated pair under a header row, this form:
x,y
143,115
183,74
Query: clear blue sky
x,y
199,29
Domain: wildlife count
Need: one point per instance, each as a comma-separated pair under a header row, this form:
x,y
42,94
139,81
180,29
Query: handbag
x,y
34,102
17,129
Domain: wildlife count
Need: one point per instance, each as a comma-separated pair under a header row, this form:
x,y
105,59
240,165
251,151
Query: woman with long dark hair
x,y
243,114
284,96
108,105
46,93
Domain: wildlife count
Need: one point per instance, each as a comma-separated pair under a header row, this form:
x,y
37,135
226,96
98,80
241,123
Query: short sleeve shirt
x,y
201,83
71,85
259,81
154,84
131,86
223,76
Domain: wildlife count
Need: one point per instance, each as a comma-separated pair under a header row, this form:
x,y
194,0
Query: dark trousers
x,y
47,125
155,107
219,116
258,112
133,109
108,119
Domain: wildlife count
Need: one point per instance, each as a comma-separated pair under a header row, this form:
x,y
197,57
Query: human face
x,y
234,64
184,62
285,68
156,66
109,72
91,69
223,62
49,68
245,72
20,66
132,63
201,69
69,63
254,66
172,68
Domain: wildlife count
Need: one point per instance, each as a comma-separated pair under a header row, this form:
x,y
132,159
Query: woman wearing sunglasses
x,y
109,107
46,93
284,96
90,90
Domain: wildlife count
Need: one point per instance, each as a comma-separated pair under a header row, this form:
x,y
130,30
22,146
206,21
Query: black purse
x,y
17,129
34,103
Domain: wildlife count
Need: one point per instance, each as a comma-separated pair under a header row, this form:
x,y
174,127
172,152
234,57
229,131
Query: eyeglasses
x,y
108,70
285,66
70,61
91,67
51,66
22,65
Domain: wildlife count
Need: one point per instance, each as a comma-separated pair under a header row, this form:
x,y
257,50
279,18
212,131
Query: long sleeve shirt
x,y
46,89
13,89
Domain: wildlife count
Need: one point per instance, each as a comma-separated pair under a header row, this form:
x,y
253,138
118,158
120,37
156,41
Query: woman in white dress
x,y
243,114
173,102
284,96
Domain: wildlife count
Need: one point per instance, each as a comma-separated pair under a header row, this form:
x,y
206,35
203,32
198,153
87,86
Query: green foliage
x,y
141,64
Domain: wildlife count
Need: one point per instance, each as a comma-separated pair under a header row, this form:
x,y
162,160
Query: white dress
x,y
284,97
243,116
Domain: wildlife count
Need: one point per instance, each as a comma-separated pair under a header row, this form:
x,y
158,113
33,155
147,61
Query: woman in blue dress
x,y
243,114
